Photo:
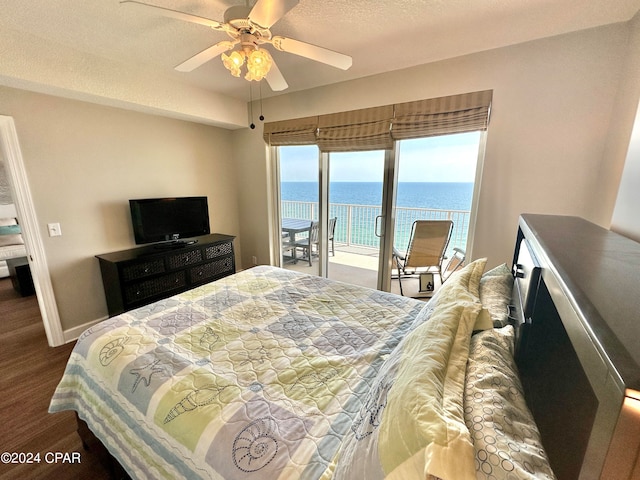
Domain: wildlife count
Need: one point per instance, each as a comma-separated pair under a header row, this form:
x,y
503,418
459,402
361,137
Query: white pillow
x,y
10,233
495,293
8,221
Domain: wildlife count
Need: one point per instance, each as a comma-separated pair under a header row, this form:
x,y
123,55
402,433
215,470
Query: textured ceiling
x,y
102,42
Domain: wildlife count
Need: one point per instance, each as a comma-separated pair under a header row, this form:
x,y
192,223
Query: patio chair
x,y
426,251
332,230
286,246
307,243
455,262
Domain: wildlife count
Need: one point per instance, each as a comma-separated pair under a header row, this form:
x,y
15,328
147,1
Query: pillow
x,y
495,293
484,321
9,229
411,425
10,234
6,240
505,437
8,221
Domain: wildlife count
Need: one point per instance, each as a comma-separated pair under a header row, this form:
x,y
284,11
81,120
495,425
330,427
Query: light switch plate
x,y
54,229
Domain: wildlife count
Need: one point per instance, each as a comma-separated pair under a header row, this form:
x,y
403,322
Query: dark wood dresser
x,y
136,277
577,309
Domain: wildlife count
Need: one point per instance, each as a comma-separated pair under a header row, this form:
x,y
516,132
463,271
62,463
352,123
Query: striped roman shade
x,y
442,116
376,128
365,129
297,131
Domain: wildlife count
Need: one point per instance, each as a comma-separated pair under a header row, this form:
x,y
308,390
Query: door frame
x,y
388,213
385,253
21,193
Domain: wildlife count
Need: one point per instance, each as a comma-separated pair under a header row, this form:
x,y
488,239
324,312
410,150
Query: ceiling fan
x,y
250,27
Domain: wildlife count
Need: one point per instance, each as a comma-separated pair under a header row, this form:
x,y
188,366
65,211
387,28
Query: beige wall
x,y
625,216
83,164
552,106
552,148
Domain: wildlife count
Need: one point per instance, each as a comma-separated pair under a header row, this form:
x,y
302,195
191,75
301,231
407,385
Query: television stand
x,y
139,276
171,244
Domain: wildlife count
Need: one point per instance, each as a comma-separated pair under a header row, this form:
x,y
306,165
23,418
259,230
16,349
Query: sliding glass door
x,y
363,205
335,203
436,181
299,208
356,188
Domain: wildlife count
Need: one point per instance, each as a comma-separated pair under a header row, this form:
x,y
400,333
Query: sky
x,y
450,158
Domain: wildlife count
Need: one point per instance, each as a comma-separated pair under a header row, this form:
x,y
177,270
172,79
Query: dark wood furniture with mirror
x,y
577,309
136,277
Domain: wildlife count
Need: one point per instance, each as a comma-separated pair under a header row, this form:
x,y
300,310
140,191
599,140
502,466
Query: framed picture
x,y
426,282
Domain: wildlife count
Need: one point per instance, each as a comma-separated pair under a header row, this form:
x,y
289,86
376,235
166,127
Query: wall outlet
x,y
254,260
54,229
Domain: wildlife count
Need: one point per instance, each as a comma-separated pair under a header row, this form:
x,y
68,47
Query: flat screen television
x,y
169,219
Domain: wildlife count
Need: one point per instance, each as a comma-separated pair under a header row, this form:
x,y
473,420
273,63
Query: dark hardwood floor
x,y
30,371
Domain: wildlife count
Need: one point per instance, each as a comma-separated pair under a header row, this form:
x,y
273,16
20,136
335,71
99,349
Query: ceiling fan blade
x,y
167,12
313,52
275,79
205,55
267,12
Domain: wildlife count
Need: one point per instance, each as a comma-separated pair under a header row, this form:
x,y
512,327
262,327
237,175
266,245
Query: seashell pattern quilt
x,y
260,375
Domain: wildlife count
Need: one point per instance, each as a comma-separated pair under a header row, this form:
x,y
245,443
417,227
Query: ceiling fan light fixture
x,y
233,62
258,64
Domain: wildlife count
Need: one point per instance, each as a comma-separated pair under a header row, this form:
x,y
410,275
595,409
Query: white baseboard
x,y
73,333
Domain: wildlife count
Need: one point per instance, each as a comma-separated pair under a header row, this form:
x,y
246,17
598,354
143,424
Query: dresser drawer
x,y
136,292
184,258
211,270
142,275
142,269
219,250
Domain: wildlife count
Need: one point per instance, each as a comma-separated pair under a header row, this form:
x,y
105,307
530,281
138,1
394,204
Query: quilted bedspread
x,y
260,375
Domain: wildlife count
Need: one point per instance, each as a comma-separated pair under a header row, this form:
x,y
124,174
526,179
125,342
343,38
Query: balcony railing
x,y
356,223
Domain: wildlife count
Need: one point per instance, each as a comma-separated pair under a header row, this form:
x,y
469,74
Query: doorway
x,y
11,156
429,178
356,192
343,196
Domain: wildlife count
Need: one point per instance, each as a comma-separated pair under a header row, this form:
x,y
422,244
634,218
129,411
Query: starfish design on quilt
x,y
253,357
144,374
111,350
196,398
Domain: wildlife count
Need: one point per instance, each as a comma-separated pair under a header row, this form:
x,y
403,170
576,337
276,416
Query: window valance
x,y
297,131
366,129
442,116
376,128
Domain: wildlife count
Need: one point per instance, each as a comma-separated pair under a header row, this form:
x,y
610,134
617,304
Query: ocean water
x,y
441,196
362,221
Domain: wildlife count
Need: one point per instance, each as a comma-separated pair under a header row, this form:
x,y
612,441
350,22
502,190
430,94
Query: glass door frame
x,y
389,189
388,215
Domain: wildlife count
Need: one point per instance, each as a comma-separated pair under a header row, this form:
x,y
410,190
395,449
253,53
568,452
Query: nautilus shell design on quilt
x,y
370,414
111,350
196,398
256,445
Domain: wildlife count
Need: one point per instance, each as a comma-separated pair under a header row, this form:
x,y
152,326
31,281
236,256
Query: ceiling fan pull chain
x,y
251,125
261,115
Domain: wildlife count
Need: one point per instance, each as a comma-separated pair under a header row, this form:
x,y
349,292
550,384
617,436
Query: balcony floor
x,y
359,266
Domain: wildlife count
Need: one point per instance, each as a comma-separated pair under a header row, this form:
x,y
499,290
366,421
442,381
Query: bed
x,y
11,241
270,373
